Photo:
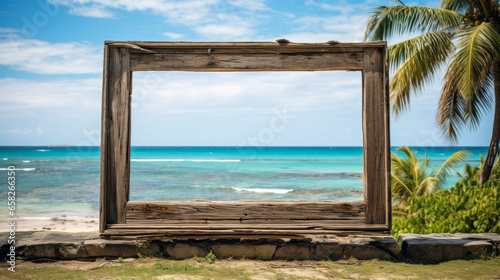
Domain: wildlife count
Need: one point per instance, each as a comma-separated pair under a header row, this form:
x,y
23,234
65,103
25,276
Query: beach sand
x,y
65,223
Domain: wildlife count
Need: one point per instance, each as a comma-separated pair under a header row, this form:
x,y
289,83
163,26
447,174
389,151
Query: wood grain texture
x,y
246,210
115,145
234,226
264,50
388,198
375,135
117,230
246,62
340,220
188,45
120,218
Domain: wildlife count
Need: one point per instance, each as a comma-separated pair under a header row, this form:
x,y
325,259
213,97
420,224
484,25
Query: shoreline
x,y
65,223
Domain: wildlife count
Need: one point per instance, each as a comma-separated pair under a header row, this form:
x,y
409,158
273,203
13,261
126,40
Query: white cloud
x,y
96,11
214,19
173,35
341,28
39,129
21,96
249,4
42,57
246,93
9,30
226,31
20,131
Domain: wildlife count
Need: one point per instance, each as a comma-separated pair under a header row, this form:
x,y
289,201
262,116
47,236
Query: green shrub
x,y
467,207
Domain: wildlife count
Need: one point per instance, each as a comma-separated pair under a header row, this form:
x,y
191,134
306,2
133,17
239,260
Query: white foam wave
x,y
20,169
63,218
258,190
190,160
37,218
42,150
78,218
5,158
26,161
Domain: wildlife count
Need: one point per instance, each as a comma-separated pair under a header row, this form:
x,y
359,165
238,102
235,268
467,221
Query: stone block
x,y
112,248
364,252
250,251
328,251
434,248
181,251
293,252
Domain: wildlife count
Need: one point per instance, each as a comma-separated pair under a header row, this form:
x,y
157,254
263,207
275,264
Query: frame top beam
x,y
281,43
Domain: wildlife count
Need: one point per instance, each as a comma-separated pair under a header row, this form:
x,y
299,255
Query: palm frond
x,y
478,47
418,59
452,108
470,172
388,21
459,6
451,163
427,186
479,103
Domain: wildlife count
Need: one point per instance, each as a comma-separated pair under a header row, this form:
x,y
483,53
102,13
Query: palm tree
x,y
464,36
473,172
410,177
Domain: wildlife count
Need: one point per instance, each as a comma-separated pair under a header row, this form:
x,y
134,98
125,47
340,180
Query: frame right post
x,y
376,137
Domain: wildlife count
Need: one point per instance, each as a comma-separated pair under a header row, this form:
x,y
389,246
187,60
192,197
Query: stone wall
x,y
418,248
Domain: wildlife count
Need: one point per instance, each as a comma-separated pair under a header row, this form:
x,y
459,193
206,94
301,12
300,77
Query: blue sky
x,y
51,76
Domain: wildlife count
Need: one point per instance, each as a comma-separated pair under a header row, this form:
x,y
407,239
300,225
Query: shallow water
x,y
65,180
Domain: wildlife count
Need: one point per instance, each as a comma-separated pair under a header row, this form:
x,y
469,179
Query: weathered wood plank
x,y
232,226
240,218
284,235
163,44
341,220
105,195
202,237
266,50
246,62
115,145
245,210
375,136
243,231
388,194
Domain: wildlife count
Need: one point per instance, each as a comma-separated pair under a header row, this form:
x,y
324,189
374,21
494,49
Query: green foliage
x,y
410,176
142,258
467,207
464,35
178,267
120,259
209,258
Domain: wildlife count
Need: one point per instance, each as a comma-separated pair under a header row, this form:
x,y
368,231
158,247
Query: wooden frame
x,y
120,218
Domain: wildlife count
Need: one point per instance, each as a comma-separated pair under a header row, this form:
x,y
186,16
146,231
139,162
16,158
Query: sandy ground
x,y
65,223
262,269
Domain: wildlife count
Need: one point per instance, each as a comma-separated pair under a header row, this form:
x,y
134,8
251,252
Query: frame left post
x,y
115,136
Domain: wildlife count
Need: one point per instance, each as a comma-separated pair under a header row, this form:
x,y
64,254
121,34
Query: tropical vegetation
x,y
464,37
411,177
467,207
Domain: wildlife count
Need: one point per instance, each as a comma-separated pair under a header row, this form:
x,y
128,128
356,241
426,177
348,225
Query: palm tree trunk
x,y
495,135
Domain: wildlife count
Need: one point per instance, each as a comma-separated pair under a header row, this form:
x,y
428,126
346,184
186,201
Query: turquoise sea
x,y
52,181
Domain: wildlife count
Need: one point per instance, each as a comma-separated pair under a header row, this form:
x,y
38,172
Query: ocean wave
x,y
189,160
305,159
37,218
41,150
5,158
331,192
26,161
259,190
63,218
20,169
